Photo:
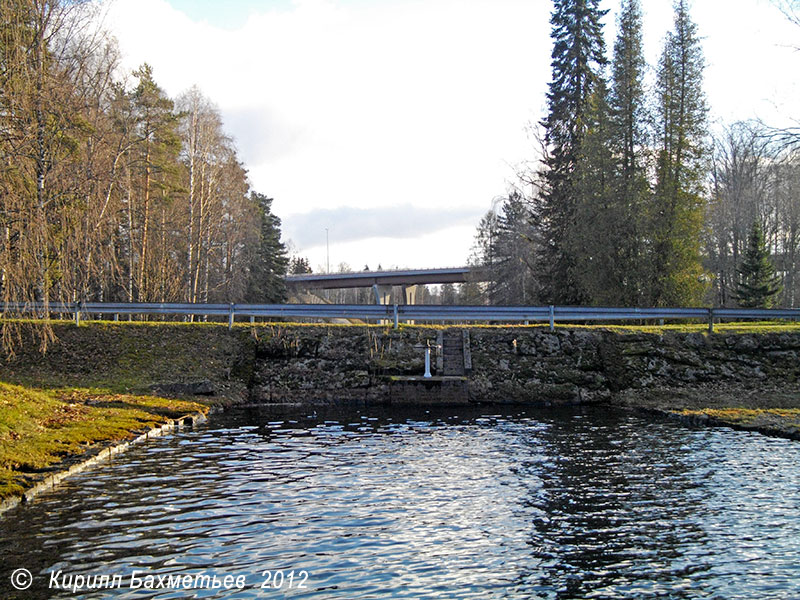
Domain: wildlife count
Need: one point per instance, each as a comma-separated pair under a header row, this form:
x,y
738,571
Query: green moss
x,y
679,327
130,357
787,418
39,428
94,384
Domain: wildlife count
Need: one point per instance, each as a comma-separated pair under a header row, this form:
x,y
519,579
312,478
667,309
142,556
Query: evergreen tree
x,y
627,98
267,270
676,216
153,161
626,277
504,249
469,293
511,260
449,294
578,58
758,285
299,265
484,250
593,239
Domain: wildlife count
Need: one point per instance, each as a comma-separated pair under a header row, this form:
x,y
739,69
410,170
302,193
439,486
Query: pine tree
x,y
758,285
154,165
449,294
627,100
578,58
266,284
676,215
484,251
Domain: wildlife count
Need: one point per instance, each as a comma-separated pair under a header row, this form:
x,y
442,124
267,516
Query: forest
x,y
112,191
636,202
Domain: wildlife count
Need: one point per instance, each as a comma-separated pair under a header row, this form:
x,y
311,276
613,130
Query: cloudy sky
x,y
394,124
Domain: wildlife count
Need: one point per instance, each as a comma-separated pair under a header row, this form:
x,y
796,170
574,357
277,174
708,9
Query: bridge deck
x,y
405,277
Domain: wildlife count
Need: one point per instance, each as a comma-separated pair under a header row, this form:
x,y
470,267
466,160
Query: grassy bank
x,y
41,428
102,383
786,419
131,357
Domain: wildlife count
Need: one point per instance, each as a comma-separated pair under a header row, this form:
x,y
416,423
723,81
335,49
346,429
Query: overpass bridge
x,y
382,282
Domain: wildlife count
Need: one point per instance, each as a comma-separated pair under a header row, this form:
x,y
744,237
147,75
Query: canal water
x,y
379,503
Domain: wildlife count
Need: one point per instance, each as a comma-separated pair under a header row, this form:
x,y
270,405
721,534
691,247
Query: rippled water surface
x,y
462,504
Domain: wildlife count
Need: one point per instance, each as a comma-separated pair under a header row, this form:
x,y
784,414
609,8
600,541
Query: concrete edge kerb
x,y
49,482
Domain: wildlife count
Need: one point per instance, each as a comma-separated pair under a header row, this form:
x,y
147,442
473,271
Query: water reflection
x,y
429,504
620,508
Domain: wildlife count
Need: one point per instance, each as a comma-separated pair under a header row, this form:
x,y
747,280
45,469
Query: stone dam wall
x,y
341,364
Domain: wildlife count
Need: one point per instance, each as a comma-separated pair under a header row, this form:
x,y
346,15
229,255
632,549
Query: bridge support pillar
x,y
410,294
383,293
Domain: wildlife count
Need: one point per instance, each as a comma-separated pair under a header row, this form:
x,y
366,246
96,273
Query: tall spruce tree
x,y
676,217
627,269
266,284
593,235
504,248
758,285
578,58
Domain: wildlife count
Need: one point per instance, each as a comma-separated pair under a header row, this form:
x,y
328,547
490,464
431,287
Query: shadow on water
x,y
477,502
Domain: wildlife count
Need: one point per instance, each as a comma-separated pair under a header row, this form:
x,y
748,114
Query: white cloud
x,y
448,247
403,102
418,103
349,224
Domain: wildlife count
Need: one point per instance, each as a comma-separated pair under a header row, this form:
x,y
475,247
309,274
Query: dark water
x,y
460,504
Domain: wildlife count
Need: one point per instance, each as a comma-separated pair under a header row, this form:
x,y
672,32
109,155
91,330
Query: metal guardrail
x,y
395,313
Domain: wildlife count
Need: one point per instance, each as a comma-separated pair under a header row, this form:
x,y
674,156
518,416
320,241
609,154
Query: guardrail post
x,y
77,314
710,320
230,317
552,318
396,318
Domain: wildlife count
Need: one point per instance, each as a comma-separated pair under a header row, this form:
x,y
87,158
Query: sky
x,y
390,127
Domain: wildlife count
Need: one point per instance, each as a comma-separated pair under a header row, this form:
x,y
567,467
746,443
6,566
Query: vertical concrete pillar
x,y
383,294
410,294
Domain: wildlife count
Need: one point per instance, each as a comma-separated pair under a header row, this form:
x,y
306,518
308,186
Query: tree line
x,y
109,189
634,203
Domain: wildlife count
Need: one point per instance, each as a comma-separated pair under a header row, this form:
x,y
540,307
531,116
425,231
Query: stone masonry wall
x,y
512,365
335,364
582,365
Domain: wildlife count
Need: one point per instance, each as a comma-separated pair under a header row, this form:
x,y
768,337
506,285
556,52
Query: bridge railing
x,y
395,313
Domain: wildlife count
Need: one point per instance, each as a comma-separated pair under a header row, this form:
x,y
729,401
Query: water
x,y
587,503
